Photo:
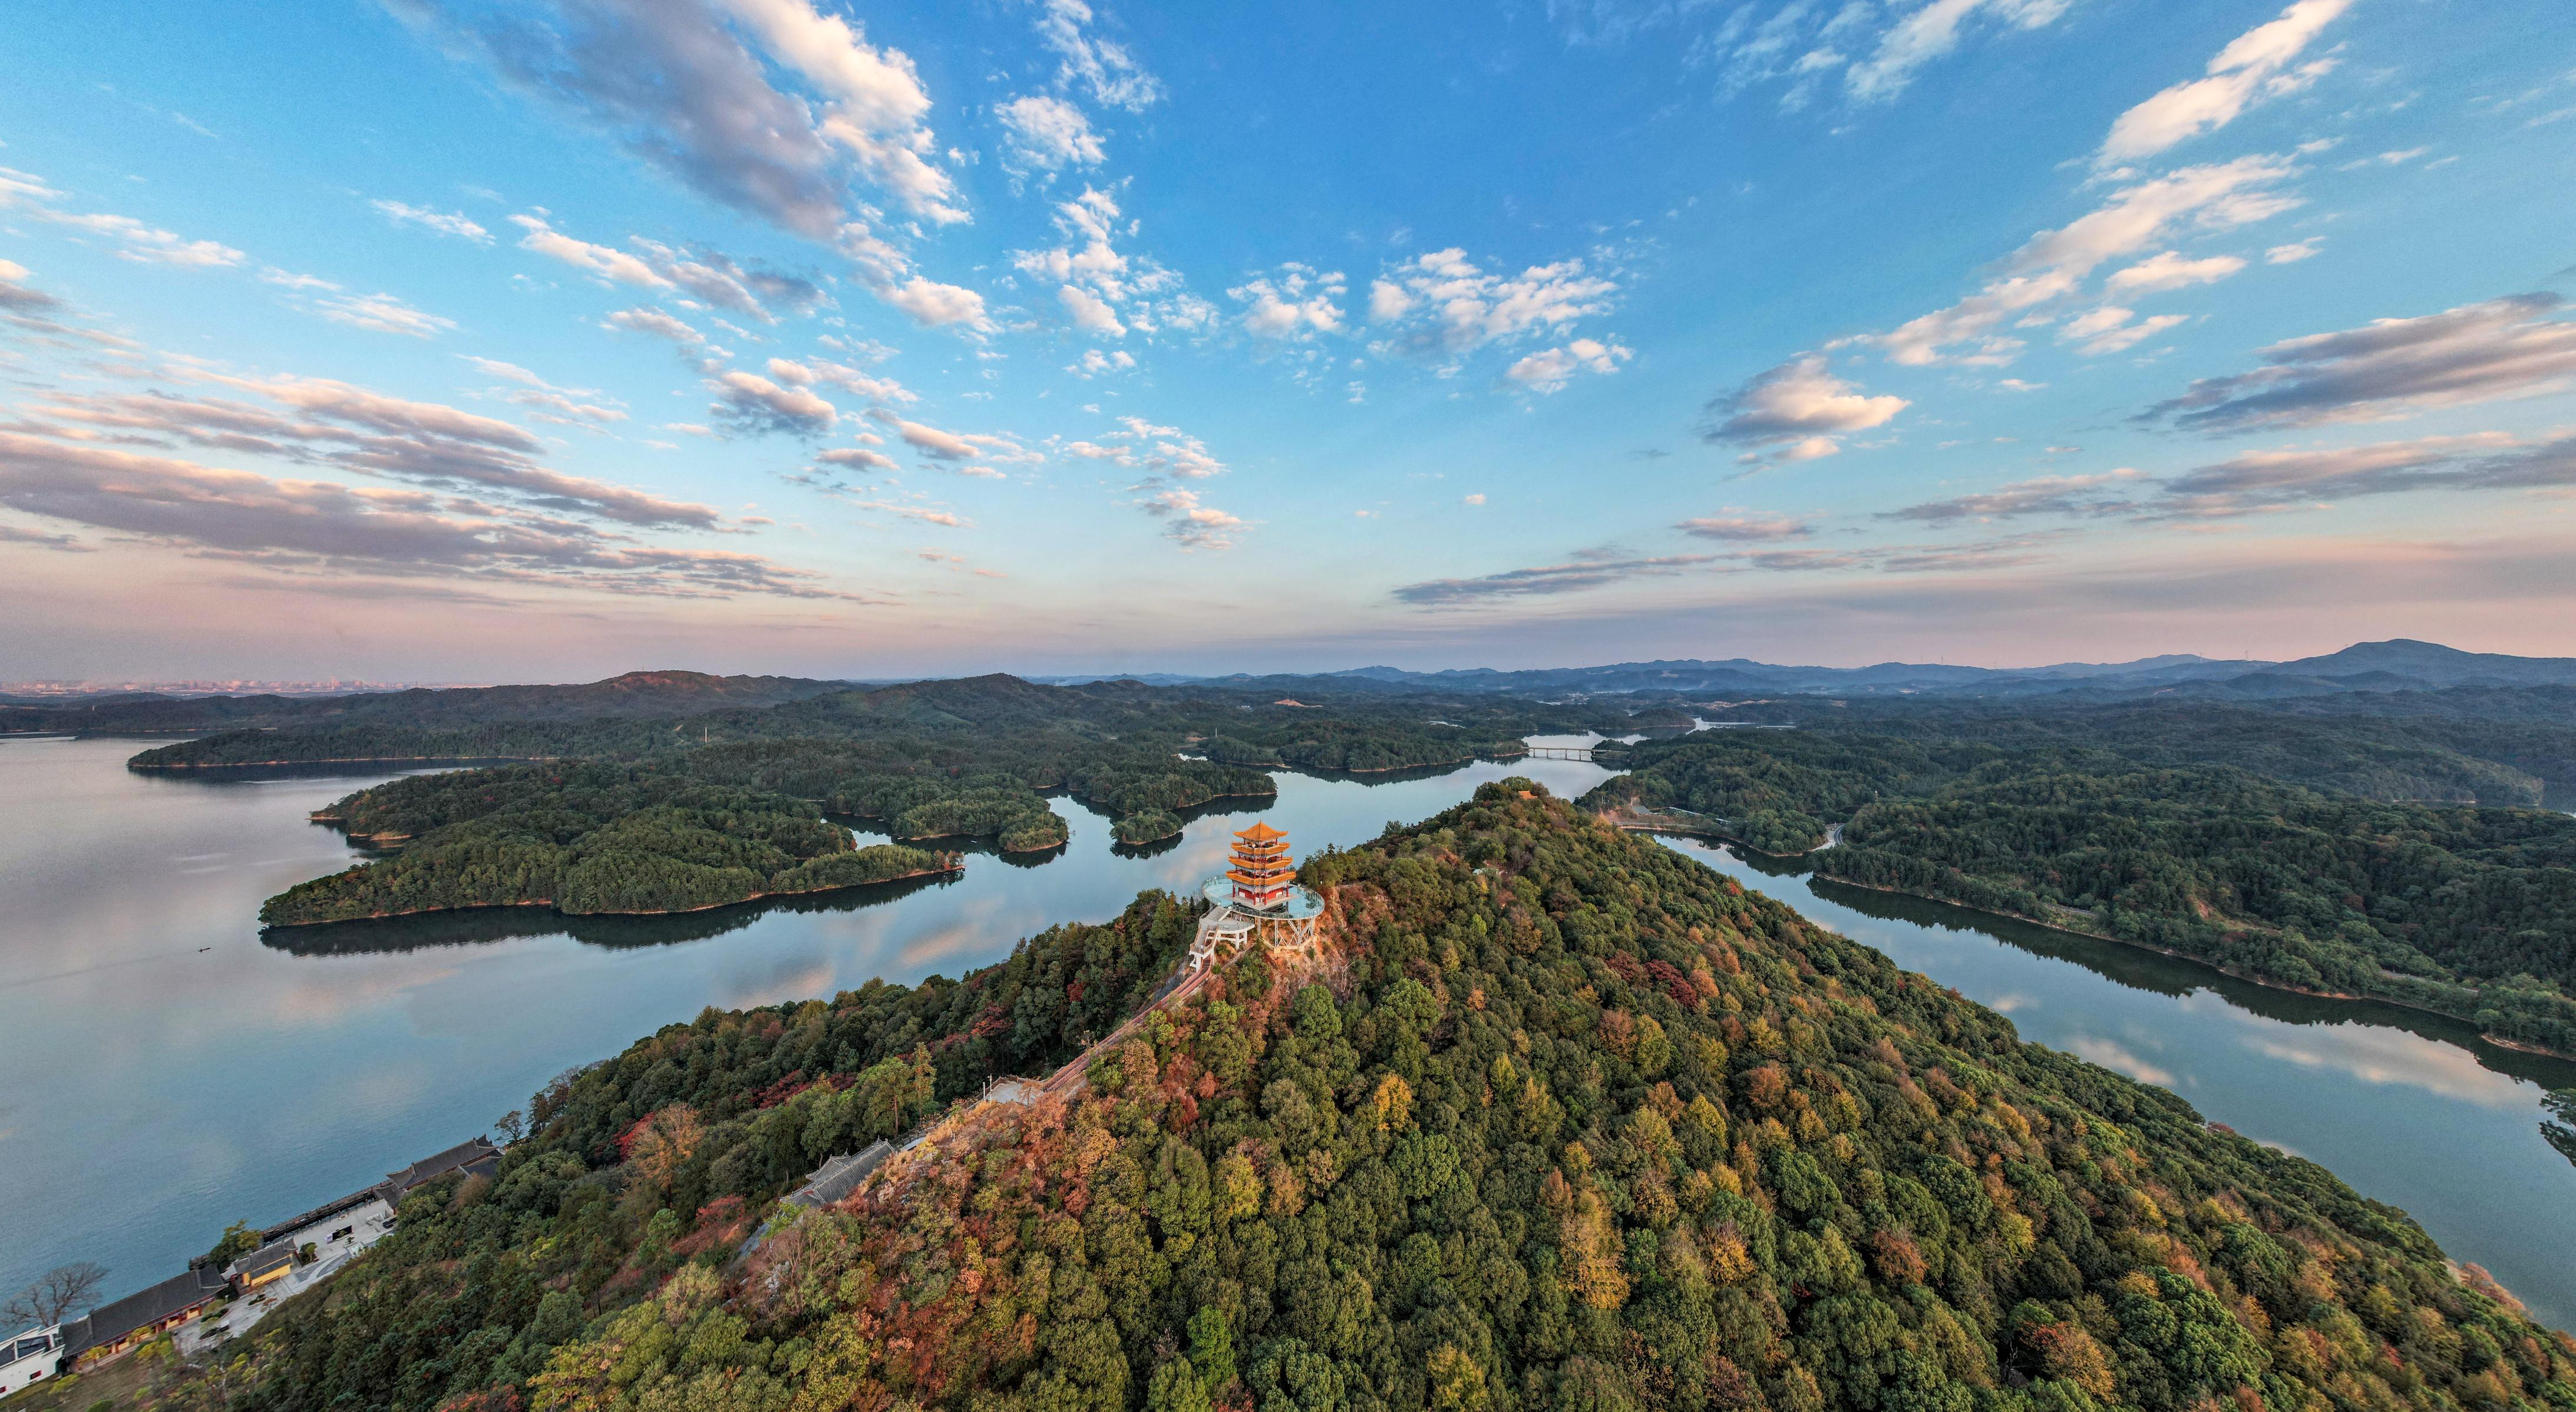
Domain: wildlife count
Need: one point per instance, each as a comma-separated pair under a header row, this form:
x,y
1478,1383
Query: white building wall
x,y
366,1225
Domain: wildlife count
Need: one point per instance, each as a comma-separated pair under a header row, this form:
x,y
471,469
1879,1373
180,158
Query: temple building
x,y
1263,868
1257,895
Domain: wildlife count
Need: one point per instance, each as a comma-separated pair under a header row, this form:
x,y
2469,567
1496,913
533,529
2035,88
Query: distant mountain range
x,y
2400,664
634,694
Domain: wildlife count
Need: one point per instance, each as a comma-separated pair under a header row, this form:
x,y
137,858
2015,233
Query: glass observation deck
x,y
1299,905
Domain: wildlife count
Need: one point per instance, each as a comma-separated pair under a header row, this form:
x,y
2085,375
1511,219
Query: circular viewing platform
x,y
1301,904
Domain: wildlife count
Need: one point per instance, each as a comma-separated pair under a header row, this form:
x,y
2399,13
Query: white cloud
x,y
600,260
935,305
2119,335
2254,66
402,533
2054,263
1104,291
1049,133
1090,312
2517,346
2293,253
888,274
848,379
716,279
569,406
288,279
1104,68
150,244
354,429
858,456
752,404
1551,369
2104,493
1930,32
17,296
1800,402
1743,526
658,324
1168,452
1585,571
2171,271
1094,363
687,85
2096,321
1295,302
1443,304
383,313
942,445
1187,521
1805,42
875,105
444,222
20,188
707,274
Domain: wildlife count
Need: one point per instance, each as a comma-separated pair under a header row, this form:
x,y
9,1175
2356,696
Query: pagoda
x,y
1262,869
1257,898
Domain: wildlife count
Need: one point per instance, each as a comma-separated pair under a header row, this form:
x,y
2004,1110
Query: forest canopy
x,y
2460,908
585,839
1566,1121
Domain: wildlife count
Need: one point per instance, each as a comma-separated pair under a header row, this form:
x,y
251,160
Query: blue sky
x,y
445,340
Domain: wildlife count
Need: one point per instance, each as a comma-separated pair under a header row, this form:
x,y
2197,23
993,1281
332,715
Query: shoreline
x,y
548,903
2520,1046
158,768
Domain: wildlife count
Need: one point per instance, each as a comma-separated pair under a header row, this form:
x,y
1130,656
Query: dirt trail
x,y
1069,1078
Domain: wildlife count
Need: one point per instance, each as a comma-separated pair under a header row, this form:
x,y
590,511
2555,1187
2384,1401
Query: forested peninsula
x,y
2464,909
630,812
585,840
1562,1120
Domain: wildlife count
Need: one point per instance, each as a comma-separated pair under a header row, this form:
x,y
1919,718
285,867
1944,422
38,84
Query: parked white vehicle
x,y
29,1356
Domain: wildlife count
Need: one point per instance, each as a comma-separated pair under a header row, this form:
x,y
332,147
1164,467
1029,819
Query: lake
x,y
169,1071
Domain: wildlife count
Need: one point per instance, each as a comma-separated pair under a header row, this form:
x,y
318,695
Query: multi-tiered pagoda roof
x,y
1262,869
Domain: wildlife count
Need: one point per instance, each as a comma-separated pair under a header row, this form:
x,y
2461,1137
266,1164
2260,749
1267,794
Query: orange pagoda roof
x,y
1260,832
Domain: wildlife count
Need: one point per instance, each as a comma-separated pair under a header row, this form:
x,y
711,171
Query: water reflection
x,y
2410,1108
489,924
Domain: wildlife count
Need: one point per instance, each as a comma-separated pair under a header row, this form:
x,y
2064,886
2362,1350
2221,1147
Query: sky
x,y
460,340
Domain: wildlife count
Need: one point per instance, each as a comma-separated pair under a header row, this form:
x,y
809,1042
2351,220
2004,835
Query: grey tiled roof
x,y
143,1307
479,1155
259,1262
836,1179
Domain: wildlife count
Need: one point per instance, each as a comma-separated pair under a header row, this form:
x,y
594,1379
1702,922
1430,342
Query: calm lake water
x,y
168,1071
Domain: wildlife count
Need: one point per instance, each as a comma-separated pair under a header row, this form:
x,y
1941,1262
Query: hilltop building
x,y
292,1256
478,1158
1256,896
140,1317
